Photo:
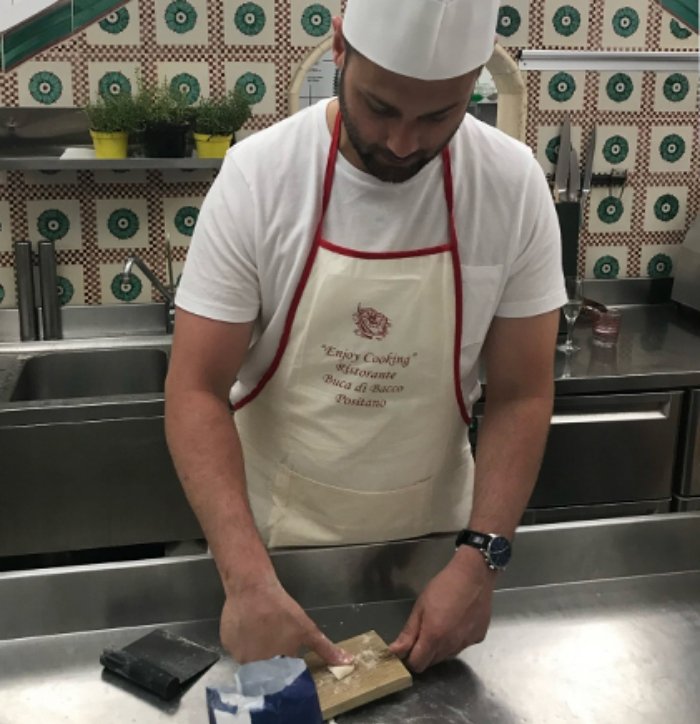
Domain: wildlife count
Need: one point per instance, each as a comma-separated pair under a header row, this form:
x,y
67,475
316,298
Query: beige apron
x,y
357,431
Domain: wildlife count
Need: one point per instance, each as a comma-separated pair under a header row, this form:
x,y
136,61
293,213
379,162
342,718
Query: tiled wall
x,y
647,124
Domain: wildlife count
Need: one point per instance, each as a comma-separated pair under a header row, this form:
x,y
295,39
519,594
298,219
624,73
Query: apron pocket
x,y
307,512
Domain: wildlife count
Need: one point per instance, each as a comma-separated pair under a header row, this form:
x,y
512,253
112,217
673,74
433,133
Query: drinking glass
x,y
572,309
606,328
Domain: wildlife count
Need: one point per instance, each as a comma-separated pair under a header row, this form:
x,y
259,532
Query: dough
x,y
340,672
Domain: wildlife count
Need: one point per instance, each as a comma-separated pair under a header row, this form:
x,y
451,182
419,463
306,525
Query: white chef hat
x,y
428,39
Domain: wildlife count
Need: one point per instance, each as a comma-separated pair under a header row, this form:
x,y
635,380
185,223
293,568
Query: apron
x,y
357,432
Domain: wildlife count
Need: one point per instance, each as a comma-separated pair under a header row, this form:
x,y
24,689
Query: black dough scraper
x,y
160,662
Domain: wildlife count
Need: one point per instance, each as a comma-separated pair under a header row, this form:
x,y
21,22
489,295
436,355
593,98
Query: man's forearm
x,y
207,454
511,442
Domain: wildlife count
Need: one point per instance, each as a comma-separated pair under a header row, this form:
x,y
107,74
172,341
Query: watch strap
x,y
473,538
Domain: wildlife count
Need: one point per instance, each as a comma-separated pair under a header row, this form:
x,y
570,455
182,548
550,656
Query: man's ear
x,y
338,42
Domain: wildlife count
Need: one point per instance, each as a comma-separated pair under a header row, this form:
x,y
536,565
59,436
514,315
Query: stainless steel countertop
x,y
595,622
658,349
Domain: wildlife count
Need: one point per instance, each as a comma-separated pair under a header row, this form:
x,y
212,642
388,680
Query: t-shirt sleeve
x,y
220,278
535,283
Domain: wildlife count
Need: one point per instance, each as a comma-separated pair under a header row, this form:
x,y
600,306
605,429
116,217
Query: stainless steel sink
x,y
97,373
85,465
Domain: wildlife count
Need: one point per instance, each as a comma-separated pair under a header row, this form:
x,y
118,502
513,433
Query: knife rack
x,y
569,215
610,180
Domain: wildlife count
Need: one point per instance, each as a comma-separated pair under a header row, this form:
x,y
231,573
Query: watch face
x,y
499,551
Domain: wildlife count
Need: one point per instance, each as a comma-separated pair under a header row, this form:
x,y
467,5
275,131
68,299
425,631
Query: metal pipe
x,y
132,261
612,60
48,283
24,267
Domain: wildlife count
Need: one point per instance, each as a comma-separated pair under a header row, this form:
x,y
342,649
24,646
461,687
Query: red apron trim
x,y
457,268
344,251
330,169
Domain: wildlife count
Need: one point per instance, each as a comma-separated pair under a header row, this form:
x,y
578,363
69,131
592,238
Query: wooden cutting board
x,y
377,673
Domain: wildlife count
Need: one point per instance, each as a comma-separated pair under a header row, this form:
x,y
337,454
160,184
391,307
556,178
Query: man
x,y
350,267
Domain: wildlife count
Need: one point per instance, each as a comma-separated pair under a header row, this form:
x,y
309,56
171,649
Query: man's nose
x,y
402,140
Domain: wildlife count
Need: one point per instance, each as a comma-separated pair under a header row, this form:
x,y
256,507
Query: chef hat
x,y
428,39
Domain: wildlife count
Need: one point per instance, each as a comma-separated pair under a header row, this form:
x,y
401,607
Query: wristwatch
x,y
496,549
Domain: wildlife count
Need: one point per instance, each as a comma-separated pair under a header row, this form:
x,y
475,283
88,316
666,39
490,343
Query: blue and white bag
x,y
276,691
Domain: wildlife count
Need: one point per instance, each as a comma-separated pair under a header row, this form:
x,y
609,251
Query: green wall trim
x,y
685,10
36,35
51,27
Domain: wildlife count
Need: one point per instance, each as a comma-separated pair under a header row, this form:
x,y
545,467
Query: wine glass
x,y
572,309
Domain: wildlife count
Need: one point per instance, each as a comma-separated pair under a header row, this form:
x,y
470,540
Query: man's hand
x,y
453,612
262,620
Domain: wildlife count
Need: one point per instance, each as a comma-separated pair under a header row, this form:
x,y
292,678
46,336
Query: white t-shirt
x,y
258,220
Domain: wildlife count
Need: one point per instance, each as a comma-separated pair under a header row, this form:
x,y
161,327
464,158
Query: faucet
x,y
168,292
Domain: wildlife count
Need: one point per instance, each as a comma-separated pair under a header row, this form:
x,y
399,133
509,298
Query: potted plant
x,y
111,119
165,117
215,122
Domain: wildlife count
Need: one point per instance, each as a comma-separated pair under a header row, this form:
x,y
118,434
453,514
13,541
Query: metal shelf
x,y
54,163
622,60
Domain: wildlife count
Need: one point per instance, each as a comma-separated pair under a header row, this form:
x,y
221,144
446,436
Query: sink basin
x,y
99,373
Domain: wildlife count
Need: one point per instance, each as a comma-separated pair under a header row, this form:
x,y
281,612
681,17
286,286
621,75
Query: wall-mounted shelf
x,y
54,163
622,60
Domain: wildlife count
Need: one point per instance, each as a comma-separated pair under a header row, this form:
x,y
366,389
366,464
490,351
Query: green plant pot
x,y
165,140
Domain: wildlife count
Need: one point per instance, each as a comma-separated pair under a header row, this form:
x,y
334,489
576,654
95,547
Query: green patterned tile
x,y
311,21
181,22
676,92
118,27
43,83
606,262
565,23
513,23
610,213
57,220
249,23
616,147
657,260
625,23
562,90
28,39
85,11
665,208
71,284
620,91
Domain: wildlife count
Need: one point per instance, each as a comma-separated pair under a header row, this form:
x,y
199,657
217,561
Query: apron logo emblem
x,y
371,324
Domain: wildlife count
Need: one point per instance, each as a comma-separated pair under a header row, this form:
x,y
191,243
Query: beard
x,y
378,160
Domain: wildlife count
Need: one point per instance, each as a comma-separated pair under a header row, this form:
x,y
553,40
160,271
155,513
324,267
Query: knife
x,y
588,171
563,164
574,176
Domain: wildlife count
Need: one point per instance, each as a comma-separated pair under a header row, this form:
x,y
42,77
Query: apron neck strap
x,y
330,172
330,164
449,195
